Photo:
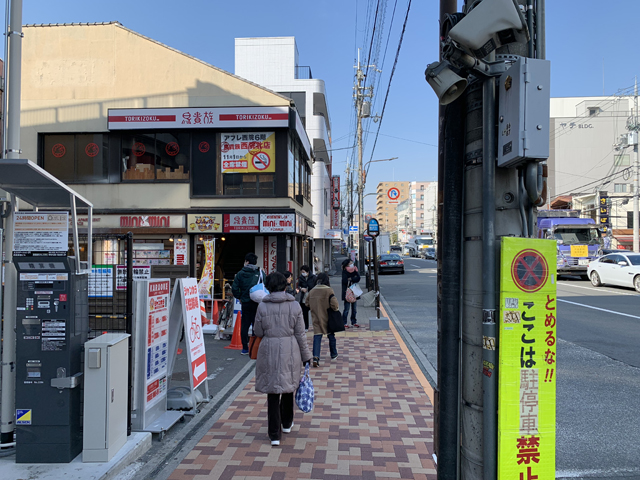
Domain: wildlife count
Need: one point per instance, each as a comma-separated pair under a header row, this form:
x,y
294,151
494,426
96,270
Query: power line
x,y
395,63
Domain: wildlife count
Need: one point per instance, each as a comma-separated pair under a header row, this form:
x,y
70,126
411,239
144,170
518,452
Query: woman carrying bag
x,y
281,354
350,276
319,300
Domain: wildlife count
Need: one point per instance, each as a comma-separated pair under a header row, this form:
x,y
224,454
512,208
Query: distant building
x,y
273,63
589,156
387,203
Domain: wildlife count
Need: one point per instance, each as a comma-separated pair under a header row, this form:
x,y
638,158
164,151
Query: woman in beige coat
x,y
282,352
320,298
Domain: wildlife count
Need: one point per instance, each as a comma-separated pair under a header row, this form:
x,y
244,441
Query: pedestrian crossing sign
x,y
23,417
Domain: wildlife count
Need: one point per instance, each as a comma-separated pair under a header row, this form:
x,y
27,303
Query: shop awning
x,y
624,238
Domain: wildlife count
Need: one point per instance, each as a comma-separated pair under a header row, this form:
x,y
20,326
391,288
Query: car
x,y
620,269
429,253
395,249
390,262
408,251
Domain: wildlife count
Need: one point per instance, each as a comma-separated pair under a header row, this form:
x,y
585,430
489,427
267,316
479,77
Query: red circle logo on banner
x,y
58,150
92,150
529,270
172,149
203,147
139,149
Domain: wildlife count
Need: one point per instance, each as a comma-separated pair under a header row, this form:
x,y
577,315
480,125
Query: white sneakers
x,y
275,443
287,430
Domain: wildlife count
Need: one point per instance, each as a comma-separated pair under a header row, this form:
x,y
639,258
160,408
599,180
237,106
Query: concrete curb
x,y
421,359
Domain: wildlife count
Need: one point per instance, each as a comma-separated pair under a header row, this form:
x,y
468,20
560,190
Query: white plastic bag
x,y
357,291
258,291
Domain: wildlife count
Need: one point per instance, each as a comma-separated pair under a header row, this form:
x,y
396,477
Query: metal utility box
x,y
51,329
523,112
106,363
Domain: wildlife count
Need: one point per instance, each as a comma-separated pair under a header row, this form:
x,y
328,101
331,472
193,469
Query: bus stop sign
x,y
373,228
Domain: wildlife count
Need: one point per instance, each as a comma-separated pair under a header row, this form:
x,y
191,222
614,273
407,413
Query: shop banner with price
x,y
527,359
193,330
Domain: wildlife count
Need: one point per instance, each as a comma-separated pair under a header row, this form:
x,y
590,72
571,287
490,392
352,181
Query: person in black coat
x,y
350,276
306,282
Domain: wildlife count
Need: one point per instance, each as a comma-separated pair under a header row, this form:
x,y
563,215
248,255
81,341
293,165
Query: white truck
x,y
421,242
383,243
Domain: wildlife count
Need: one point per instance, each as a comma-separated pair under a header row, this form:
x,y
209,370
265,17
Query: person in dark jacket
x,y
306,282
350,276
242,283
290,288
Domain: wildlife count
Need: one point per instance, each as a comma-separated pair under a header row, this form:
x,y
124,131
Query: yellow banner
x,y
206,279
248,152
527,360
579,251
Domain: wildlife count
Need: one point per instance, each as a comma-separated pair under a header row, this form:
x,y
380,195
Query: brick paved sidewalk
x,y
372,419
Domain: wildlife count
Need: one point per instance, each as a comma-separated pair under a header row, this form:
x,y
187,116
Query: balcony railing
x,y
303,73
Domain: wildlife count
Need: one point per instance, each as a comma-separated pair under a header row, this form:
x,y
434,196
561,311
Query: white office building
x,y
590,157
273,63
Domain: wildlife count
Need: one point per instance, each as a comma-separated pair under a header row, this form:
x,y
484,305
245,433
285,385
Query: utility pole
x,y
363,110
14,37
635,126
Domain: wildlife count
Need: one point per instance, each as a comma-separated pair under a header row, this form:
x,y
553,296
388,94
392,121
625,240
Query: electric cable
x,y
393,69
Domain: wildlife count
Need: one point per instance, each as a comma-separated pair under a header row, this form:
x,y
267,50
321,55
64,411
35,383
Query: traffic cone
x,y
214,315
236,343
203,314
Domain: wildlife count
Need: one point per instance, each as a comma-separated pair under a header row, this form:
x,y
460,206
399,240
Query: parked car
x,y
616,269
429,253
389,263
395,249
409,251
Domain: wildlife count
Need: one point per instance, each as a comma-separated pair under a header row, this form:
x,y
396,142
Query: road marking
x,y
597,308
597,289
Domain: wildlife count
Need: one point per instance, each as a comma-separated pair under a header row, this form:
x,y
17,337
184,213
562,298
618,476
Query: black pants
x,y
305,315
279,412
249,310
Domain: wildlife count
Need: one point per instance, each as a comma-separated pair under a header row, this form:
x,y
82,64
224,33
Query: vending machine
x,y
51,329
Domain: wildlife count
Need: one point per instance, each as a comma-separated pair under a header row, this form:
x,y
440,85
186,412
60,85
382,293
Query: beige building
x,y
168,146
388,196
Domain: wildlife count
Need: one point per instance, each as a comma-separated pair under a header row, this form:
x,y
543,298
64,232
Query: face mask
x,y
351,269
304,274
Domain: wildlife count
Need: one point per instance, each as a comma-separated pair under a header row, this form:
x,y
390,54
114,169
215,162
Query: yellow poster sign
x,y
579,251
527,360
248,152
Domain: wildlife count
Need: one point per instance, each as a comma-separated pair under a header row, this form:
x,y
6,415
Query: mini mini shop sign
x,y
150,221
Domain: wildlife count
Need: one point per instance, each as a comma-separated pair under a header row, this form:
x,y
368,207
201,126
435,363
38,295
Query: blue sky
x,y
592,46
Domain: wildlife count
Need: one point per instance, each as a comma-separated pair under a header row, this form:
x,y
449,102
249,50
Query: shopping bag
x,y
357,291
258,291
254,344
335,323
305,394
349,296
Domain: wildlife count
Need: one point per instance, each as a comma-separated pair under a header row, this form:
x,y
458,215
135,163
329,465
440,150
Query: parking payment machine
x,y
51,329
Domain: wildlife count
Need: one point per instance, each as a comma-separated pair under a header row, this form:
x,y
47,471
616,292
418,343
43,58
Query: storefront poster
x,y
335,201
248,152
100,282
266,250
206,280
527,367
241,222
278,223
204,223
179,252
40,233
141,272
157,342
193,331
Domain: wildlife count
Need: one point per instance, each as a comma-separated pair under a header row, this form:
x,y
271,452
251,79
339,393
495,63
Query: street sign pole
x,y
375,275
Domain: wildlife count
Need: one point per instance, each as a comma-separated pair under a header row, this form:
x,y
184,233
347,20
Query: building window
x,y
621,160
76,158
421,187
621,188
421,205
421,197
629,219
248,184
155,156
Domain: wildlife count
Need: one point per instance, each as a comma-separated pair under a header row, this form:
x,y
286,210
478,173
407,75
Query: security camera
x,y
491,24
447,84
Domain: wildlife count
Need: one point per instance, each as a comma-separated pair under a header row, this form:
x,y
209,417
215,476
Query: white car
x,y
622,269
